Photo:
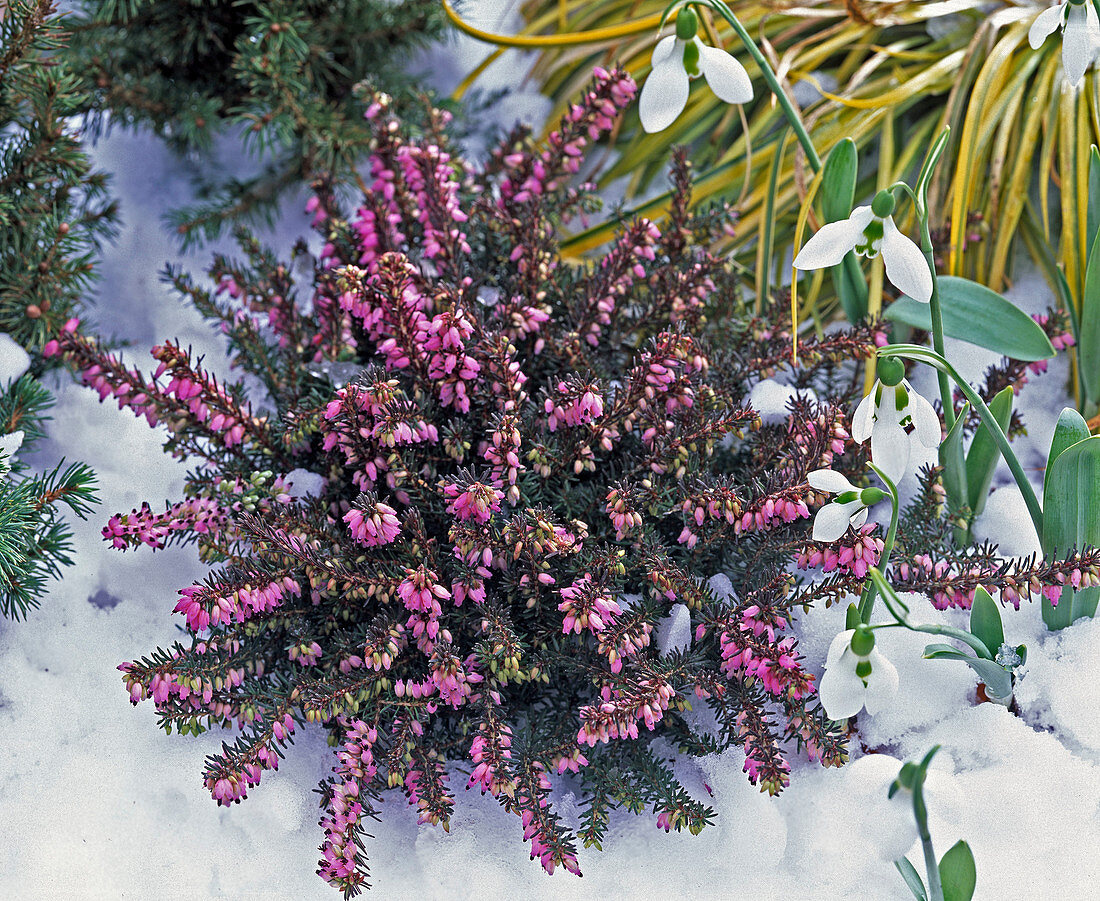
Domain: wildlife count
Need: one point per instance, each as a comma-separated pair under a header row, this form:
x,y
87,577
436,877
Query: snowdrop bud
x,y
890,371
883,204
863,641
687,24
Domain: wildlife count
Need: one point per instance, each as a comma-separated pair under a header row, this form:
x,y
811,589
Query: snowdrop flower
x,y
856,676
883,414
849,507
676,60
14,360
9,444
869,231
1080,35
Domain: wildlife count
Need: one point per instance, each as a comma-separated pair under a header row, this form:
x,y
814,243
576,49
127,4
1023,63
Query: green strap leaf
x,y
958,874
912,878
997,679
1088,352
1093,219
954,467
981,459
1071,518
977,315
838,181
1070,429
985,620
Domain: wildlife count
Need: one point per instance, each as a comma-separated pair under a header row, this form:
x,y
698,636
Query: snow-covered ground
x,y
97,803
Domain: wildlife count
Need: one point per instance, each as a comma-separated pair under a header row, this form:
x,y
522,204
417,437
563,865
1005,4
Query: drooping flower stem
x,y
932,358
937,324
867,597
773,83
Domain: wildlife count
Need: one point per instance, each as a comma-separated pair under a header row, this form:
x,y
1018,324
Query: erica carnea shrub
x,y
465,488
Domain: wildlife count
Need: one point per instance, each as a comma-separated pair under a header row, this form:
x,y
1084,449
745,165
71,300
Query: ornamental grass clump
x,y
464,487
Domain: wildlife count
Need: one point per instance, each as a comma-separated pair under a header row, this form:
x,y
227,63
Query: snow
x,y
99,804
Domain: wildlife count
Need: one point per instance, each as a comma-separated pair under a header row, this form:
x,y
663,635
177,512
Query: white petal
x,y
1045,24
1077,47
839,645
864,417
663,51
664,95
882,684
926,421
832,241
827,480
14,360
833,519
841,691
890,449
725,75
859,518
905,264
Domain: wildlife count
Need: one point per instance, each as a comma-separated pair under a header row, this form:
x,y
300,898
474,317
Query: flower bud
x,y
883,204
890,371
687,24
863,641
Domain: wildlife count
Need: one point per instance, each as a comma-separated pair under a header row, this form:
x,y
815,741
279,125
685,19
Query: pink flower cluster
x,y
573,403
587,605
620,269
491,755
373,524
471,499
199,515
1059,340
855,552
502,455
618,714
342,864
538,826
529,178
204,605
430,177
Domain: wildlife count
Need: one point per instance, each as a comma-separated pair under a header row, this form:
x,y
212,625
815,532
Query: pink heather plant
x,y
524,463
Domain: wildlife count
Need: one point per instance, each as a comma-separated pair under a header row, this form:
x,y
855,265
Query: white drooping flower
x,y
9,444
869,231
14,360
676,60
1080,35
849,507
883,415
856,676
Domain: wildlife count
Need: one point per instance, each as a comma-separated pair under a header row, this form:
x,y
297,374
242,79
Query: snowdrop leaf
x,y
985,620
1070,429
954,464
997,680
1089,345
838,181
958,875
939,651
977,315
982,458
1071,519
1093,218
912,879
